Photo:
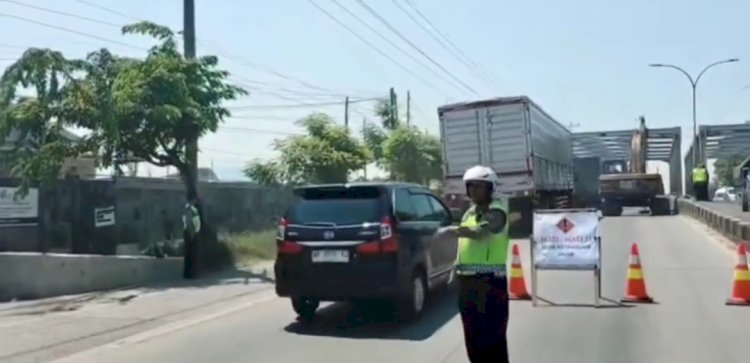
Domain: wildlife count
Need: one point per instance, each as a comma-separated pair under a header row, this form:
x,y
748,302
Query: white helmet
x,y
481,173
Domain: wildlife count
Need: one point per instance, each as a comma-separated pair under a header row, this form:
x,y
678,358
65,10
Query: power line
x,y
230,153
244,83
120,26
379,34
442,43
58,12
385,55
108,10
447,39
302,105
405,39
87,35
240,60
259,131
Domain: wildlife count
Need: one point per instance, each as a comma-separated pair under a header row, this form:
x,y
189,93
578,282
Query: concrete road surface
x,y
687,271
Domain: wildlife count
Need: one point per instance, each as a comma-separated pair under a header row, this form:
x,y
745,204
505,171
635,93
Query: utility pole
x,y
364,126
346,112
191,258
393,107
408,107
191,147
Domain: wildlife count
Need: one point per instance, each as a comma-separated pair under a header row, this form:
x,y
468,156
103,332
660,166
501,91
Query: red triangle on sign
x,y
565,225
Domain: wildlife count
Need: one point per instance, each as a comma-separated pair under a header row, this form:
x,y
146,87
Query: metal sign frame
x,y
596,268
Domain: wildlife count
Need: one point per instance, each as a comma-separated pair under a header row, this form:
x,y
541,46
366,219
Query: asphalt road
x,y
728,208
686,270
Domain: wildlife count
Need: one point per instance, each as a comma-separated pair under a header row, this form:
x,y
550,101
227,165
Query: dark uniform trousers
x,y
484,306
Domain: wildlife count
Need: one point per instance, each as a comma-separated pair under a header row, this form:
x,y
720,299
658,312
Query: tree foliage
x,y
407,153
327,153
412,155
724,169
387,114
37,119
145,109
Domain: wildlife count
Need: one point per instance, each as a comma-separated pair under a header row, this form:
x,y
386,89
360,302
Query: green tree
x,y
145,109
39,118
412,155
374,136
388,118
724,169
265,173
328,153
149,109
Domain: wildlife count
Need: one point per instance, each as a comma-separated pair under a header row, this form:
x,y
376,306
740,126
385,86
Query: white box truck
x,y
529,150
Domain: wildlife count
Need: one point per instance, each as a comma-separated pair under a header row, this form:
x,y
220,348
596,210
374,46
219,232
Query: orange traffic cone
x,y
741,290
517,282
636,288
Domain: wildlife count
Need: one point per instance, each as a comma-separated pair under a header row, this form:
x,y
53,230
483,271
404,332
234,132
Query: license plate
x,y
333,256
627,184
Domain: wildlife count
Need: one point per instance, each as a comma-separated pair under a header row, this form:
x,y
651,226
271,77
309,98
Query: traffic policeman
x,y
700,182
481,268
191,223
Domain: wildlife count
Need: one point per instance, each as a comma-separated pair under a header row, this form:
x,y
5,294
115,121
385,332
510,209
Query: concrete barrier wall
x,y
733,228
34,275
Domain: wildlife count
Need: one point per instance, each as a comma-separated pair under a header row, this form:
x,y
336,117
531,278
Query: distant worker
x,y
481,269
700,182
191,222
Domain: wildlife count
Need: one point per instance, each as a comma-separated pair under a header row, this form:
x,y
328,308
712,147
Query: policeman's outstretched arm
x,y
495,223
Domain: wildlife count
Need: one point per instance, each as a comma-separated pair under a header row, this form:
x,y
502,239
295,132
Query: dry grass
x,y
250,247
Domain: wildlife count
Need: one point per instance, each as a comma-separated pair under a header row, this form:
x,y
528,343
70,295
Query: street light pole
x,y
694,85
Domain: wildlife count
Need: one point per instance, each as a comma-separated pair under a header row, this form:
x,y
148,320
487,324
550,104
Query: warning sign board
x,y
566,239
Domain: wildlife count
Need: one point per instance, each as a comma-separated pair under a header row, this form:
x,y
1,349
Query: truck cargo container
x,y
529,150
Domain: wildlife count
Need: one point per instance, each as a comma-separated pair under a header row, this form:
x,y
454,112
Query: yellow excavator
x,y
626,183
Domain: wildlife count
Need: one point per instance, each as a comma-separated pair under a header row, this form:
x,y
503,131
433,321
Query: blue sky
x,y
584,61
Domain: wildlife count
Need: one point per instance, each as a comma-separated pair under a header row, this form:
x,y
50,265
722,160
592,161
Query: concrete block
x,y
36,275
731,227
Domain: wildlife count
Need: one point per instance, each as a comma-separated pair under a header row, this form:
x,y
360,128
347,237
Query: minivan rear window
x,y
341,206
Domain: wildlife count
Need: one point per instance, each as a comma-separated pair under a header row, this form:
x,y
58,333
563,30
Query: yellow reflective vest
x,y
486,256
191,220
700,175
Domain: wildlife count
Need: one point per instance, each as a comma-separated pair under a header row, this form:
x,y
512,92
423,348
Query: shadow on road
x,y
605,303
376,320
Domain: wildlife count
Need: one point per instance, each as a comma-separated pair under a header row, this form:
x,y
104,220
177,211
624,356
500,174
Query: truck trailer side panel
x,y
528,149
552,152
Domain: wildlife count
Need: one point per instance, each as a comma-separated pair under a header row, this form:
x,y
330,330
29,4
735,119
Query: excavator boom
x,y
639,148
634,188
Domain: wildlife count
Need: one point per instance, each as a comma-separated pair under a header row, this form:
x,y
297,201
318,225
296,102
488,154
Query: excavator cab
x,y
626,183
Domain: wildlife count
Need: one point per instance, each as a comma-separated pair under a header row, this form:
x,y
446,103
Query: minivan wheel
x,y
412,304
305,307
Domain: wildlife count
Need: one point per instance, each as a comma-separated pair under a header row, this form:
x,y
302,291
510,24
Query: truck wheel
x,y
660,207
411,305
305,307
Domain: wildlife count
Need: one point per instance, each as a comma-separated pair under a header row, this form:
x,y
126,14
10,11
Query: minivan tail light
x,y
388,243
286,247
